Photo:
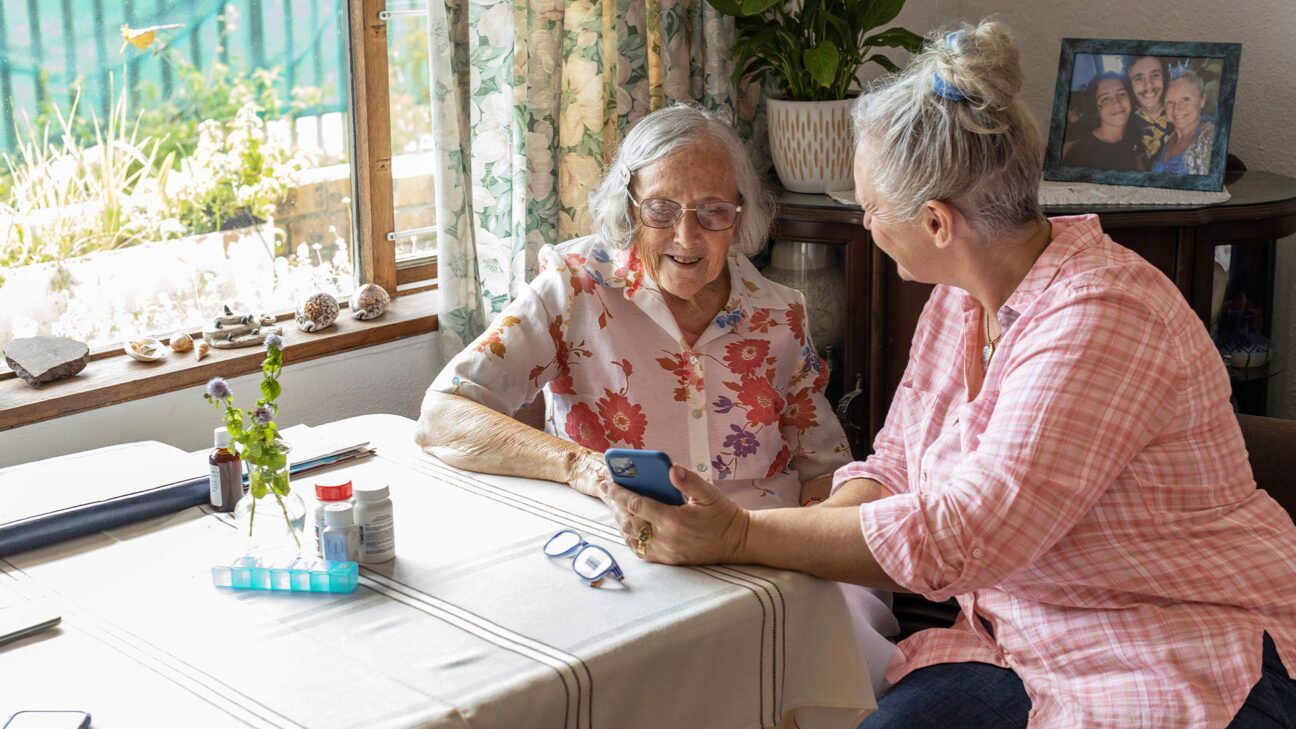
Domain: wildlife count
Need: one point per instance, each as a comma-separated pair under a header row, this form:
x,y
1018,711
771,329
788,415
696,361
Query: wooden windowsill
x,y
108,380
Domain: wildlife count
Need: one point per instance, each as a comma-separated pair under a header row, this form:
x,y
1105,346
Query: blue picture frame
x,y
1189,55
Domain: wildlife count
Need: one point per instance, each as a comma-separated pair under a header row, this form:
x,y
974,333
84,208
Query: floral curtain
x,y
529,101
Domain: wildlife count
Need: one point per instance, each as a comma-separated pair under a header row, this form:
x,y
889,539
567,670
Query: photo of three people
x,y
1142,113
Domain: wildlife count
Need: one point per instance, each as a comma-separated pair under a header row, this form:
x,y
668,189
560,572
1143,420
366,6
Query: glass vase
x,y
271,517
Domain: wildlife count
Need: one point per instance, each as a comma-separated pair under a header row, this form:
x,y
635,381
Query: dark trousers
x,y
977,695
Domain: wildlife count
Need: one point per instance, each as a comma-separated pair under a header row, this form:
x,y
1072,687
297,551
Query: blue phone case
x,y
644,472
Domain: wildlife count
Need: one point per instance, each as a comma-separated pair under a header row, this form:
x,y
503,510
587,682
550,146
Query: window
x,y
413,156
163,159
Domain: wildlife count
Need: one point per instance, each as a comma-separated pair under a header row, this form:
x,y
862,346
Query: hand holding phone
x,y
646,473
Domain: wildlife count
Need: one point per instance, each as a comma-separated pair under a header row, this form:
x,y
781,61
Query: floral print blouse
x,y
743,405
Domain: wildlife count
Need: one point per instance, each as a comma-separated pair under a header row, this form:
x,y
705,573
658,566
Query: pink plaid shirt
x,y
1093,504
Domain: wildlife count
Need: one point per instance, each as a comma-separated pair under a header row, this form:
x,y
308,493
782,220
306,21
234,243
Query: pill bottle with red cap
x,y
326,494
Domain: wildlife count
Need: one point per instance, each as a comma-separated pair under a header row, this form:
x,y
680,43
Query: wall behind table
x,y
387,378
1261,136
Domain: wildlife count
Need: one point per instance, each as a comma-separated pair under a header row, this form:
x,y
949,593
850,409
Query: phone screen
x,y
48,720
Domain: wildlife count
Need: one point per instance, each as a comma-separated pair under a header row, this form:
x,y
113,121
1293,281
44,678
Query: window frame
x,y
374,195
117,379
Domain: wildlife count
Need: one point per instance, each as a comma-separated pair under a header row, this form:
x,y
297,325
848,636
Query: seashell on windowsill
x,y
146,349
316,313
369,302
181,342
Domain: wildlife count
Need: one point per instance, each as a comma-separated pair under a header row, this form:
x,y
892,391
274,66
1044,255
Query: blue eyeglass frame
x,y
613,570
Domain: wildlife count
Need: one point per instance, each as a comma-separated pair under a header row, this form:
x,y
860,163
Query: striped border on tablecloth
x,y
565,665
199,683
766,592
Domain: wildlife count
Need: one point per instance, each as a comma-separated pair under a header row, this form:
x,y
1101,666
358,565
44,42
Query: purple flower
x,y
262,415
722,405
810,359
273,341
721,468
218,388
742,442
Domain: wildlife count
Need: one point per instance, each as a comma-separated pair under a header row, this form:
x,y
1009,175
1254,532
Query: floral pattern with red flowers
x,y
780,462
743,405
561,384
798,412
581,281
585,427
688,379
763,402
623,420
796,321
745,356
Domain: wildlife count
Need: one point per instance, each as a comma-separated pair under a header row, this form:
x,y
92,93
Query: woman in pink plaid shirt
x,y
1061,455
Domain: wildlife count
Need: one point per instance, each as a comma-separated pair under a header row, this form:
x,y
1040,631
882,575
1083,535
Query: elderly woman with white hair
x,y
656,332
1060,457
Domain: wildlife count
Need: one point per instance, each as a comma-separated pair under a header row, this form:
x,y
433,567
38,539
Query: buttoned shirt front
x,y
742,405
1092,506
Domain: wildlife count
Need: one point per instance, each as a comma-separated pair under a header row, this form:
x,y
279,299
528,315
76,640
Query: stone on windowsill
x,y
44,359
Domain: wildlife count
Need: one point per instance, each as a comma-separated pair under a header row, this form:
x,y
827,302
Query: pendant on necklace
x,y
986,353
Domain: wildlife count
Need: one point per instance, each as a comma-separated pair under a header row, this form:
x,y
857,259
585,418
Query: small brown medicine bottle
x,y
226,476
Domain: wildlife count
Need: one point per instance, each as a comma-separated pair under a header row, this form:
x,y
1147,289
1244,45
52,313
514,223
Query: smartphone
x,y
48,720
24,619
646,473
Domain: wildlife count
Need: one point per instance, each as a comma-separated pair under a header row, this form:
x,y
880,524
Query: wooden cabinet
x,y
881,310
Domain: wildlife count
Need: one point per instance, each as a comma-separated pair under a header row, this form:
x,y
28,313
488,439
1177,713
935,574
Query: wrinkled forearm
x,y
471,436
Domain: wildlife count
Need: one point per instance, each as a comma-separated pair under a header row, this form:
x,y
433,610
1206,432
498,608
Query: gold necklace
x,y
987,352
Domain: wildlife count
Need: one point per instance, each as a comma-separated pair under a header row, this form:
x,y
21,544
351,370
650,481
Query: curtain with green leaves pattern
x,y
529,101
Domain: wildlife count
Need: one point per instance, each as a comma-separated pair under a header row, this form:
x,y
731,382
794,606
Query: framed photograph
x,y
1147,113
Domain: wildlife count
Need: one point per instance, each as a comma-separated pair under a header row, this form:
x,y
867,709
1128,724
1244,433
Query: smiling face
x,y
904,241
686,258
1113,103
1146,78
1184,104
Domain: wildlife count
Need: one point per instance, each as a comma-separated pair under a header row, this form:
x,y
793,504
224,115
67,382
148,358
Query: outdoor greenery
x,y
813,49
198,162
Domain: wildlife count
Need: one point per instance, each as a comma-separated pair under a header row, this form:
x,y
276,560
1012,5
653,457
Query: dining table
x,y
470,625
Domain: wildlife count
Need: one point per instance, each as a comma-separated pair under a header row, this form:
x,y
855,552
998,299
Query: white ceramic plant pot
x,y
810,142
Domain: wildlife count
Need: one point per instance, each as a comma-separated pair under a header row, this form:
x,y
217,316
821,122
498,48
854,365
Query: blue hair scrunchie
x,y
940,86
946,90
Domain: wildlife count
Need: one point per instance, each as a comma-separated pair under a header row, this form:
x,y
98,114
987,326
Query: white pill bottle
x,y
373,514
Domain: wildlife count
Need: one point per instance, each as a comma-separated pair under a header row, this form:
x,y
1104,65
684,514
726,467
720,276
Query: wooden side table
x,y
881,311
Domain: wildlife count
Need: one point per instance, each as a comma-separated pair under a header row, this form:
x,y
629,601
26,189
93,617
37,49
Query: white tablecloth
x,y
470,626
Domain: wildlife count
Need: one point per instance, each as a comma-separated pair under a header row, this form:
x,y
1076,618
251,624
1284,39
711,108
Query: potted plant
x,y
812,51
266,454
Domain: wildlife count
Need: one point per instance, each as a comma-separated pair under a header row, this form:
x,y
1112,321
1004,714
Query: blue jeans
x,y
977,695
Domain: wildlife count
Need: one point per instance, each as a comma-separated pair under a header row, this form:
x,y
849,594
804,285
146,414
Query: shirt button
x,y
697,413
924,478
693,359
702,467
977,552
